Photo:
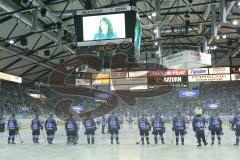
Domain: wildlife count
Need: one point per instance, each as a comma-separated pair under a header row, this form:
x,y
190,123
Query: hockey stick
x,y
207,135
172,137
139,141
20,139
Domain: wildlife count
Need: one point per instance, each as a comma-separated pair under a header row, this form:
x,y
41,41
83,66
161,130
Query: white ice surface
x,y
127,150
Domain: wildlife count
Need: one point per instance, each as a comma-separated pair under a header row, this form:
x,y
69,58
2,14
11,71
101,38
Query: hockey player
x,y
104,123
215,126
158,128
2,125
113,127
71,128
51,128
144,128
90,128
36,126
12,128
236,127
130,121
198,125
179,127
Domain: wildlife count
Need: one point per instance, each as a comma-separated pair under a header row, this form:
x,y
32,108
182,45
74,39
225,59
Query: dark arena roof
x,y
31,49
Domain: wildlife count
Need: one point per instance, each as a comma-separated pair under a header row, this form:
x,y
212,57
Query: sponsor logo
x,y
170,72
172,79
198,71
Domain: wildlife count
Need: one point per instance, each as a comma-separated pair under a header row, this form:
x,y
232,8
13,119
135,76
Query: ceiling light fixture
x,y
154,14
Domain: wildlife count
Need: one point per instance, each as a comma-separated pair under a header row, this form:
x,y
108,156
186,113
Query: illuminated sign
x,y
82,82
138,74
129,81
235,70
102,96
100,76
198,71
192,93
235,77
118,74
173,79
37,96
12,78
219,70
207,78
128,87
169,72
100,82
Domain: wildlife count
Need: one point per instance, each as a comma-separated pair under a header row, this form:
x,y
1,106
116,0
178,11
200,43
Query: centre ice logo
x,y
57,83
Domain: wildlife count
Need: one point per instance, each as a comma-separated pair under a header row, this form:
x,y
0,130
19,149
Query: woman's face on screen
x,y
104,27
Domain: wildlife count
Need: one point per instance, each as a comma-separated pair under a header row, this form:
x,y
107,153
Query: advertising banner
x,y
100,76
166,73
235,70
208,78
100,82
235,77
127,81
134,74
119,75
82,82
102,96
129,87
186,60
198,71
191,93
219,70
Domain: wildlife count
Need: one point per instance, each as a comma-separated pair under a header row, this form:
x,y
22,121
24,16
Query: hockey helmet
x,y
198,111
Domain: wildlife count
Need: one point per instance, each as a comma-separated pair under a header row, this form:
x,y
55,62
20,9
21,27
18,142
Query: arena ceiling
x,y
28,60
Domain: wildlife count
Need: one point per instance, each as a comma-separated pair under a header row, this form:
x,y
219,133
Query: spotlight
x,y
155,30
217,37
150,17
43,12
239,4
235,22
156,43
23,41
11,41
154,14
224,36
46,53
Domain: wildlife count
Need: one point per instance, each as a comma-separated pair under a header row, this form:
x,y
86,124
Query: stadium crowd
x,y
15,99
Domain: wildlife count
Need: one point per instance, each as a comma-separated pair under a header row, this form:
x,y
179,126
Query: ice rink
x,y
127,150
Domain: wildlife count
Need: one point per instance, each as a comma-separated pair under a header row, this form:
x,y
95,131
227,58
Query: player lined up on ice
x,y
157,123
179,127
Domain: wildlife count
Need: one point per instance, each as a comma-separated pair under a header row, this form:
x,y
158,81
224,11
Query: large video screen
x,y
104,27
